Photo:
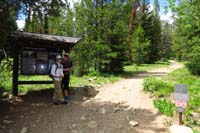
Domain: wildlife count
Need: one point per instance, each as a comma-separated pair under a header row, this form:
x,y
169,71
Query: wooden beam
x,y
15,71
35,82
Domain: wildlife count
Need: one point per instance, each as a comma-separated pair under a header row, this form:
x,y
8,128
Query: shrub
x,y
194,102
157,86
194,64
6,74
165,107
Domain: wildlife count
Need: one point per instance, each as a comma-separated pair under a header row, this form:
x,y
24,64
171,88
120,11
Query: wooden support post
x,y
15,72
66,49
180,118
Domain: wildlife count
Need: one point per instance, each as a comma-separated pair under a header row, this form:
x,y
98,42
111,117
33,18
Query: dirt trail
x,y
110,111
129,91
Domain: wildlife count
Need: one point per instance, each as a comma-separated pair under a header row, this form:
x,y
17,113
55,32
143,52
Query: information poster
x,y
42,62
29,62
37,62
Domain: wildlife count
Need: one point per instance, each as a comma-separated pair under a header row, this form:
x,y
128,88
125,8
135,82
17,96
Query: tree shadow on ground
x,y
36,112
146,74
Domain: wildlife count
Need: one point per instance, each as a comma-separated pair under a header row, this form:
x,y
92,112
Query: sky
x,y
163,15
166,16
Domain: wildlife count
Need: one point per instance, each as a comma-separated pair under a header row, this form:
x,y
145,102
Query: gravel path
x,y
129,92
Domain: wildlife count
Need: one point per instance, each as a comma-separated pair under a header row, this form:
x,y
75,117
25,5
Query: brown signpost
x,y
34,53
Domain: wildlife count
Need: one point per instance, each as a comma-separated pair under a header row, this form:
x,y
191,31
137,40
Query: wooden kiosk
x,y
34,53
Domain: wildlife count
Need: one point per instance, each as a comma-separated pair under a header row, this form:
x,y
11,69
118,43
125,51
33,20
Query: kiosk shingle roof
x,y
47,37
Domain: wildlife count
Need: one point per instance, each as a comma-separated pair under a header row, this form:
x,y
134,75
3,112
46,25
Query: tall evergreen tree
x,y
103,26
186,34
8,15
166,41
150,22
140,46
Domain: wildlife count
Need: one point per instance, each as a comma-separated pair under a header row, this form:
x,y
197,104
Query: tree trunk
x,y
130,30
46,26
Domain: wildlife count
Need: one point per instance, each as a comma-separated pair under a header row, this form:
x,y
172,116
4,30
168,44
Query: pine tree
x,y
140,46
150,22
166,41
103,27
8,16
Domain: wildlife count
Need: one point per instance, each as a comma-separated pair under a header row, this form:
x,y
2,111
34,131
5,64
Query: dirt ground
x,y
121,107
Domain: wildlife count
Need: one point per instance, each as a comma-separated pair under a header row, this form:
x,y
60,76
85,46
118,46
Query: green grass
x,y
92,78
165,107
104,78
134,69
157,87
25,88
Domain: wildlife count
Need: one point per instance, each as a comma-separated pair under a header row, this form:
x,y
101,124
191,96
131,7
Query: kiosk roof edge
x,y
47,37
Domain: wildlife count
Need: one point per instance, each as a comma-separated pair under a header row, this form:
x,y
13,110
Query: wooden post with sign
x,y
180,118
181,97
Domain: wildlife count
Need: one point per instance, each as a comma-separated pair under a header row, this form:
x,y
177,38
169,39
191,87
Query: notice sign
x,y
29,62
181,96
181,103
37,61
181,92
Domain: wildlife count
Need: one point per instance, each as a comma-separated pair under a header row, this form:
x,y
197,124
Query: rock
x,y
92,109
5,95
90,90
116,104
132,112
97,86
56,126
180,129
195,115
122,102
24,130
116,109
102,111
92,124
83,118
87,91
90,79
18,99
73,125
133,123
22,116
11,97
8,122
85,98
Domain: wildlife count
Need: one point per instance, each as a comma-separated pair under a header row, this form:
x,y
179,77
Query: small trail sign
x,y
181,97
181,92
